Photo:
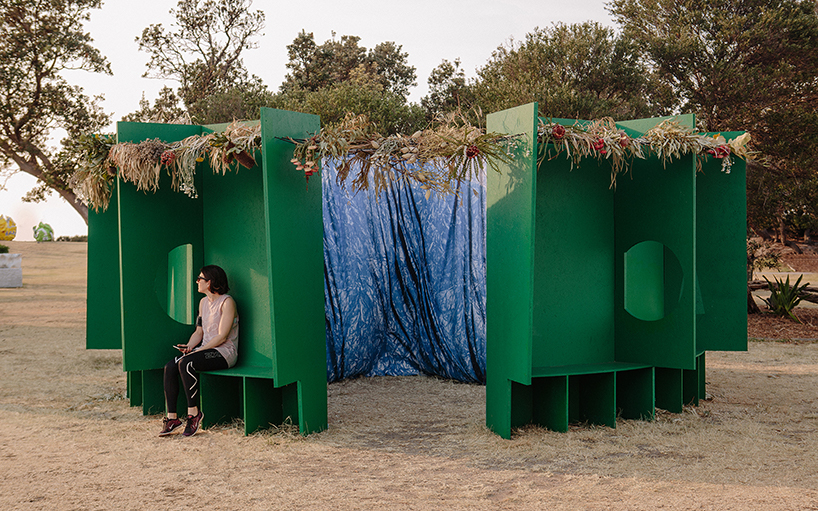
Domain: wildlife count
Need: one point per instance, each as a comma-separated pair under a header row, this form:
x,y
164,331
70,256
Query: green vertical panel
x,y
645,281
635,394
295,226
721,212
574,247
103,327
593,398
180,285
153,394
693,389
150,226
134,388
262,404
221,399
551,402
522,404
235,238
657,203
669,390
510,260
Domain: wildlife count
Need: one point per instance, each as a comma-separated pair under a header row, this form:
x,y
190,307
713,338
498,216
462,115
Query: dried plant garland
x,y
668,140
449,152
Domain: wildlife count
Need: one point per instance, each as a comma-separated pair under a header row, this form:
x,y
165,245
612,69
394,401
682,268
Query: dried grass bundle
x,y
139,163
238,142
668,140
449,152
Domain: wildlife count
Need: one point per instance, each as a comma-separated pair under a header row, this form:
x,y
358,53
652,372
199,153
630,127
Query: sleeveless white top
x,y
211,313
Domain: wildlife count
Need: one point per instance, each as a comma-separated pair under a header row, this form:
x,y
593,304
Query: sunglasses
x,y
201,278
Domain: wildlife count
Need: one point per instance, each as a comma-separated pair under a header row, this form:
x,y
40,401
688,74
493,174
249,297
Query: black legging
x,y
187,367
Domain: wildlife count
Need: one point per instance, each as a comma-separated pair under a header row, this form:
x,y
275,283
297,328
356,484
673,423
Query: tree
x,y
314,67
340,76
360,94
448,90
743,65
580,71
203,54
39,40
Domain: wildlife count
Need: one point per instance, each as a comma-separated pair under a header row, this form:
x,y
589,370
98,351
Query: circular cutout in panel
x,y
175,286
653,281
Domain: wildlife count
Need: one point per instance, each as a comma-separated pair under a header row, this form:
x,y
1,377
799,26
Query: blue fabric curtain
x,y
405,287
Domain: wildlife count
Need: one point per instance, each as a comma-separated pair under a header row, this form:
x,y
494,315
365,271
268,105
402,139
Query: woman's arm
x,y
225,324
197,335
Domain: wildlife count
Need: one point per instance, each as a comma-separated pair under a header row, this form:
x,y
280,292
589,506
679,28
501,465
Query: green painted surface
x,y
180,287
635,394
103,328
658,204
509,273
573,314
645,281
151,225
293,215
235,238
721,212
669,392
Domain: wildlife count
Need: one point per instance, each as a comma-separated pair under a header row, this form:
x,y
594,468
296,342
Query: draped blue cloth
x,y
405,286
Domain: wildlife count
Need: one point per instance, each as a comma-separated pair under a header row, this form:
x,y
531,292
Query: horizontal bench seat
x,y
578,369
241,371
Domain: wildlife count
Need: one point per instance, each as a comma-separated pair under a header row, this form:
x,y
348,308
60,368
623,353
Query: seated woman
x,y
214,345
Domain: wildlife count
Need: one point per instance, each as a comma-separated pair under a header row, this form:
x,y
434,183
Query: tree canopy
x,y
742,65
203,55
38,41
582,71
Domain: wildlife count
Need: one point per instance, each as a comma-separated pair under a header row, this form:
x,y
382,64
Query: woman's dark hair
x,y
217,278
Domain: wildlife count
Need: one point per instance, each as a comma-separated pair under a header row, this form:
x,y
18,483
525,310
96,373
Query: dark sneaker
x,y
169,426
193,424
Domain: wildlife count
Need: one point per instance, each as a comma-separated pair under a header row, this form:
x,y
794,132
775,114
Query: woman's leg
x,y
171,380
189,367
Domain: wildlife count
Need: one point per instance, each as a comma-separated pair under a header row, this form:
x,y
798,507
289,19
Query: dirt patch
x,y
69,440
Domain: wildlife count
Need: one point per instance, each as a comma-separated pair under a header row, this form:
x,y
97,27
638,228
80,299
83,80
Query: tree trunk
x,y
752,308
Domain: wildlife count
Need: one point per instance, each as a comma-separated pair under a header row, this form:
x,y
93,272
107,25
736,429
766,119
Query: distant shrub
x,y
4,249
784,297
81,237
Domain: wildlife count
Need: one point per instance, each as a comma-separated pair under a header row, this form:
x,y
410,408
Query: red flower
x,y
721,151
557,132
599,145
167,158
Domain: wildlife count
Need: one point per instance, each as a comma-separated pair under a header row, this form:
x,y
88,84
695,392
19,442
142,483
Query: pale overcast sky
x,y
428,30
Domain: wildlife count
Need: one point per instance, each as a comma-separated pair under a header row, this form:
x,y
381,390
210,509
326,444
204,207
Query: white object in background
x,y
11,270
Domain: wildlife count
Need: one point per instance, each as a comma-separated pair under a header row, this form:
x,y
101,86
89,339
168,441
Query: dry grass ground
x,y
69,440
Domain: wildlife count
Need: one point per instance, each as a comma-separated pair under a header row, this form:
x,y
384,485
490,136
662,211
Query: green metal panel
x,y
153,395
551,402
134,388
573,320
151,225
235,238
103,328
592,398
293,216
645,280
181,302
635,394
669,392
221,399
262,404
510,199
721,259
657,203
